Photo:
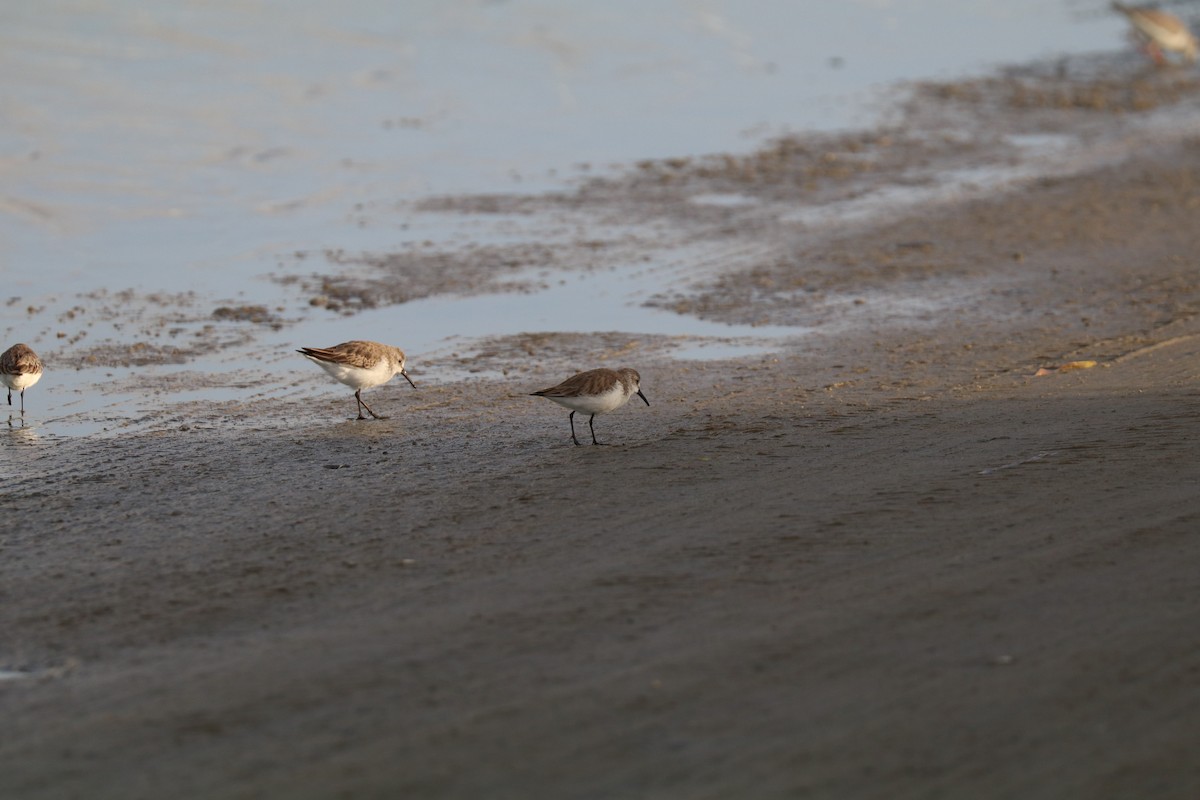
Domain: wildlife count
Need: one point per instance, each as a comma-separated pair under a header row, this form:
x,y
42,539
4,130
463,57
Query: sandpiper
x,y
596,391
20,368
1158,31
360,365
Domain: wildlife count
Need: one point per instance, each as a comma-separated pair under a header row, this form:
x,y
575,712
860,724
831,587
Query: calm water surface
x,y
190,147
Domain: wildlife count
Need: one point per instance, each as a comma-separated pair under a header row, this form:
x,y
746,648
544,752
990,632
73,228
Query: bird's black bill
x,y
647,402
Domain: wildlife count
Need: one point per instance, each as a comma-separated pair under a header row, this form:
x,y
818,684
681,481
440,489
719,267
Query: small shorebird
x,y
20,368
596,391
360,365
1159,31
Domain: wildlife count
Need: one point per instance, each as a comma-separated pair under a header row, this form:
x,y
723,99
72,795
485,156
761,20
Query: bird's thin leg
x,y
592,417
22,402
572,420
360,405
10,397
367,407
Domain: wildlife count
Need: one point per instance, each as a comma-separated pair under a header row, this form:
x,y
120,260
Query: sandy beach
x,y
892,561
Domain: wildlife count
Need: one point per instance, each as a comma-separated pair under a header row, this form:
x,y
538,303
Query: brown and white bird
x,y
596,391
360,365
20,368
1158,31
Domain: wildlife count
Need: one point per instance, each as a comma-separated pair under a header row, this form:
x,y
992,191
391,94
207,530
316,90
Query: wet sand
x,y
889,562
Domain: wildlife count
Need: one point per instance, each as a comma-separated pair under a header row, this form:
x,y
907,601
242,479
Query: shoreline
x,y
888,563
699,237
564,617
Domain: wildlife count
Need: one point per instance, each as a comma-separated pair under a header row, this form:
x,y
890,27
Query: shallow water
x,y
191,149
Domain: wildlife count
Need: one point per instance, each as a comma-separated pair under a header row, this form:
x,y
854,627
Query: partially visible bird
x,y
596,391
360,365
20,368
1160,30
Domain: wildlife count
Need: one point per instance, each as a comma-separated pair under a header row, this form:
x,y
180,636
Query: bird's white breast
x,y
602,403
357,377
22,381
